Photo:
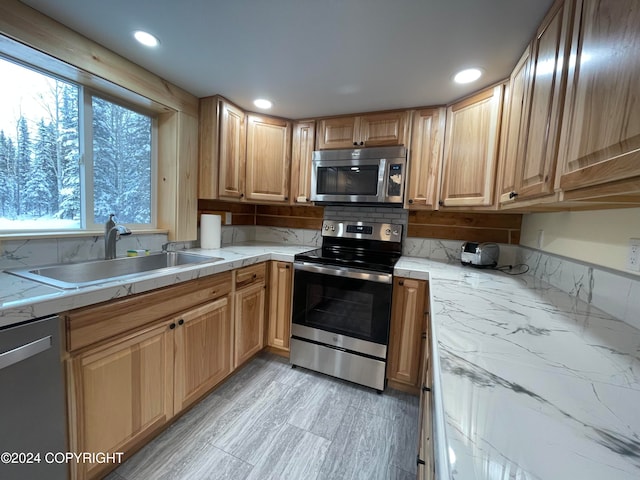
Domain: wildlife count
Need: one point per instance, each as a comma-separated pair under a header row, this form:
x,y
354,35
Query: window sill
x,y
74,234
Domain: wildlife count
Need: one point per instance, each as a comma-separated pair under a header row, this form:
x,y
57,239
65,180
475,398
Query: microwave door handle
x,y
383,174
344,272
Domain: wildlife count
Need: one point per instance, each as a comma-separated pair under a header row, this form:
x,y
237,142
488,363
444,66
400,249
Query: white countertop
x,y
529,382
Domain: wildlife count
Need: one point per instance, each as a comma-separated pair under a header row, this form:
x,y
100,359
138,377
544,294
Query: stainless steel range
x,y
342,301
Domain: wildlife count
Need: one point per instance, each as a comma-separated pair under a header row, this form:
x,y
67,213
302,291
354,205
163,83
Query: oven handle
x,y
344,272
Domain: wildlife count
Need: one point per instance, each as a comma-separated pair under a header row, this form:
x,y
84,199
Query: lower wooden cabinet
x,y
202,351
280,296
125,385
121,392
408,333
249,322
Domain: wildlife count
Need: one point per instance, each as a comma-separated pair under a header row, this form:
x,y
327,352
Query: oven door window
x,y
355,308
347,180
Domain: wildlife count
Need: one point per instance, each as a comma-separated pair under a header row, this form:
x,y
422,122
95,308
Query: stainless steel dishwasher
x,y
32,401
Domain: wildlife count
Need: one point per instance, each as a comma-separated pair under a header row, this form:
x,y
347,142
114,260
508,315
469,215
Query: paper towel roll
x,y
210,230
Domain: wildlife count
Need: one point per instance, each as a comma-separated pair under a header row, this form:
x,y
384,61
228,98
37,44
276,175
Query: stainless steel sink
x,y
74,275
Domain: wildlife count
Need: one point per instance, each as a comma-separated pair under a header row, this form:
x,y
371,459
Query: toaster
x,y
481,255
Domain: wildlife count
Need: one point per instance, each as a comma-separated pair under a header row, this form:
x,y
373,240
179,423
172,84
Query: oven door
x,y
348,180
342,306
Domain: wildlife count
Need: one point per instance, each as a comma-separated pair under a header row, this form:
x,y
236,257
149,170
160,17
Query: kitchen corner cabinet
x,y
425,159
600,137
408,333
304,133
535,172
471,150
372,130
250,153
135,362
268,158
249,312
280,297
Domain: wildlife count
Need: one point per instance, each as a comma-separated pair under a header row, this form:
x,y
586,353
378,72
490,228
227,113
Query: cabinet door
x,y
268,159
471,149
202,350
536,173
232,151
382,129
249,322
301,155
336,133
601,127
514,127
425,159
280,296
122,391
407,328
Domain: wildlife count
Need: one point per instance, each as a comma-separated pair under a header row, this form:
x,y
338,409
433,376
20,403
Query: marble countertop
x,y
529,382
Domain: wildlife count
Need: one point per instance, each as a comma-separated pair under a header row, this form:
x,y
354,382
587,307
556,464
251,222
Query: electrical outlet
x,y
227,218
633,258
540,238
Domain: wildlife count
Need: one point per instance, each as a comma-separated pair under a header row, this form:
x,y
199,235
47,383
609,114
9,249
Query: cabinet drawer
x,y
249,275
89,325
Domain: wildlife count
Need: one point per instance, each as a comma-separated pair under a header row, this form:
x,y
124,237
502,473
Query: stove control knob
x,y
396,232
326,227
333,228
387,231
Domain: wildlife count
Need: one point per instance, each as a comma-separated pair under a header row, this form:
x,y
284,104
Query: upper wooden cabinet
x,y
373,130
232,143
425,159
471,149
243,157
301,155
600,140
535,172
513,127
268,159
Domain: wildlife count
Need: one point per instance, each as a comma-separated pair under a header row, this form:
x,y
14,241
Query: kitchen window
x,y
70,156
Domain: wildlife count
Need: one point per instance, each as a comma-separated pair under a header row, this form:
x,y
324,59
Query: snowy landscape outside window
x,y
68,158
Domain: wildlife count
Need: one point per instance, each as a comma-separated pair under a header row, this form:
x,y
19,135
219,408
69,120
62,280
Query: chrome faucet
x,y
112,233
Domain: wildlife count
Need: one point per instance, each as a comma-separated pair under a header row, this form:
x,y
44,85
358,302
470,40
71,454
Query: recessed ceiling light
x,y
262,103
146,38
467,76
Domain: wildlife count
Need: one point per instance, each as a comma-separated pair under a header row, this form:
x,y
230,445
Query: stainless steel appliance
x,y
482,255
342,301
32,403
365,175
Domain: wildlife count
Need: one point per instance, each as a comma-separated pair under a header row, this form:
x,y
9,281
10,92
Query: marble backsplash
x,y
44,251
614,292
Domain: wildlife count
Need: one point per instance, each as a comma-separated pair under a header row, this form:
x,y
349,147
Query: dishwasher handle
x,y
25,351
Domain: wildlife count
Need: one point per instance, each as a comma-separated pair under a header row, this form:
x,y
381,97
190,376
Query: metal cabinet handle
x,y
513,195
401,282
172,326
181,322
25,351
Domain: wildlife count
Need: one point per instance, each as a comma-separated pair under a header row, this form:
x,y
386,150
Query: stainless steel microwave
x,y
365,175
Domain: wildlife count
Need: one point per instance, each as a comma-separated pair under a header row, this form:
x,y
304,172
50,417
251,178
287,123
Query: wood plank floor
x,y
269,421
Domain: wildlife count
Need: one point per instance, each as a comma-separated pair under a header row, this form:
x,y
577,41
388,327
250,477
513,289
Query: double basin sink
x,y
75,275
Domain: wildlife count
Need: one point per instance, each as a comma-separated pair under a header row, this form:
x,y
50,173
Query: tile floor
x,y
269,421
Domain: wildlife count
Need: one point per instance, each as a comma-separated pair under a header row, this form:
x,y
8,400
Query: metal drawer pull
x,y
419,461
25,351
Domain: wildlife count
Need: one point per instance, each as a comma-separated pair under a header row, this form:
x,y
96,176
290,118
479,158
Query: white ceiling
x,y
314,57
